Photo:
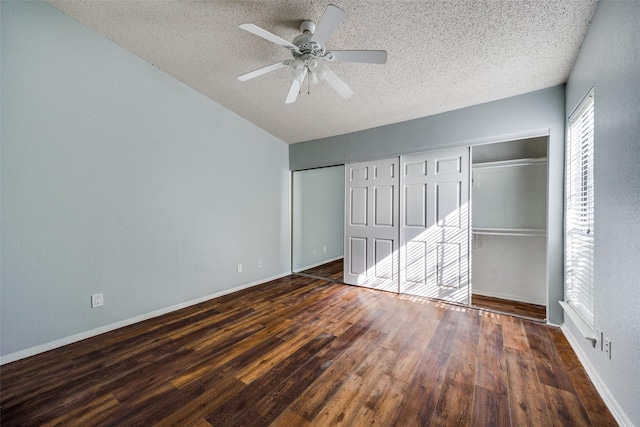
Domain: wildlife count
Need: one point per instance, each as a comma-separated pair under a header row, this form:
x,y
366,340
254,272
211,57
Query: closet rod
x,y
509,163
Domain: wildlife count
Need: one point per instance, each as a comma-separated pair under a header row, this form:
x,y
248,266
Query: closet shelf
x,y
510,231
507,163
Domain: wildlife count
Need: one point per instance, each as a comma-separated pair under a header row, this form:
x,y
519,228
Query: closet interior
x,y
509,217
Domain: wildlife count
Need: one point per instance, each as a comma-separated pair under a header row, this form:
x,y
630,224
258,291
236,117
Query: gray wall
x,y
609,61
318,216
117,178
533,114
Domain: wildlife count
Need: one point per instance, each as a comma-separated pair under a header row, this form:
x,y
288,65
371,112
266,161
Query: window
x,y
579,229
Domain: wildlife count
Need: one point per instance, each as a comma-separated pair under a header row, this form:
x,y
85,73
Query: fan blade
x,y
261,71
330,21
294,90
366,56
254,29
338,84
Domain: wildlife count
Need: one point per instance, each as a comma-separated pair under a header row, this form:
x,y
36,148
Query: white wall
x,y
117,178
318,216
609,61
510,267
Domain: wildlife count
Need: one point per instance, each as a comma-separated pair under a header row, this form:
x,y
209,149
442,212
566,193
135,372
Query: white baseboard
x,y
506,296
298,270
602,388
22,354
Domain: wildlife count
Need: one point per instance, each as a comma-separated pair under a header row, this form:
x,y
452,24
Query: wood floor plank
x,y
96,411
442,336
565,408
332,270
456,395
66,396
382,402
518,308
408,355
162,405
268,362
513,334
344,408
489,408
548,364
210,358
491,370
469,327
276,401
419,402
235,407
299,351
190,405
289,418
318,394
526,394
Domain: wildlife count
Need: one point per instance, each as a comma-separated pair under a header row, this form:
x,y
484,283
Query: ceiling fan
x,y
310,54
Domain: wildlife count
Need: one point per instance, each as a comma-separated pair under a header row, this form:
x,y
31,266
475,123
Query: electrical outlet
x,y
607,347
239,268
259,263
314,251
97,300
324,249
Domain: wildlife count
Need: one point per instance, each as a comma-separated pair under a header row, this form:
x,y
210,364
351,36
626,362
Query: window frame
x,y
579,236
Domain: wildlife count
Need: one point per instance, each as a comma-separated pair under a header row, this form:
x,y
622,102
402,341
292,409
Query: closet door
x,y
435,227
371,224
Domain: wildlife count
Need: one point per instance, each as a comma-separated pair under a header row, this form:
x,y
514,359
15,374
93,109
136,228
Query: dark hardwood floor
x,y
334,271
299,351
331,271
533,311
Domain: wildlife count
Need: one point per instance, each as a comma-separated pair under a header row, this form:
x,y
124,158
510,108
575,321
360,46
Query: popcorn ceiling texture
x,y
442,55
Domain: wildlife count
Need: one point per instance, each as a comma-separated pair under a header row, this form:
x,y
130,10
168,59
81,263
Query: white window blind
x,y
579,220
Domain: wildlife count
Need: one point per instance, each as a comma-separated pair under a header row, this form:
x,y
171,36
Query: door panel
x,y
372,225
415,262
386,170
383,258
415,212
359,173
448,264
449,165
357,256
435,233
448,204
384,209
359,206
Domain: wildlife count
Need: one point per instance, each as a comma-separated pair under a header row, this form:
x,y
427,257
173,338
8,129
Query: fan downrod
x,y
307,26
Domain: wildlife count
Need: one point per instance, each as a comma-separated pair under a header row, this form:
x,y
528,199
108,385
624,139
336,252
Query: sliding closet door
x,y
371,224
435,226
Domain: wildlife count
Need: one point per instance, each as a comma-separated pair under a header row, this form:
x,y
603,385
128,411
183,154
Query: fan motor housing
x,y
307,46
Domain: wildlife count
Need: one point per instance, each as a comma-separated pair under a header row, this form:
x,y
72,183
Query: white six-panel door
x,y
371,224
435,225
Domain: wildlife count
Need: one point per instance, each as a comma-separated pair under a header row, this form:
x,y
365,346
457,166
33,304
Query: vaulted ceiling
x,y
442,55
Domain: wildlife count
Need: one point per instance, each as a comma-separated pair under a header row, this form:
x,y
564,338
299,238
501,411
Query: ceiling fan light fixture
x,y
314,79
317,67
296,67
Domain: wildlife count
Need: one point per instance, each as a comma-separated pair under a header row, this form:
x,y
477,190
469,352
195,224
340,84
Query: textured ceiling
x,y
442,55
